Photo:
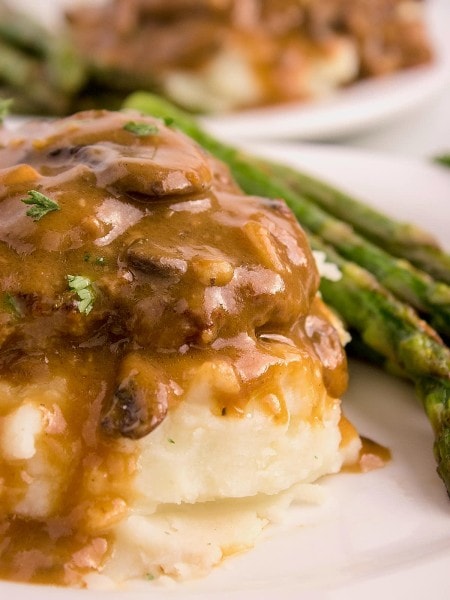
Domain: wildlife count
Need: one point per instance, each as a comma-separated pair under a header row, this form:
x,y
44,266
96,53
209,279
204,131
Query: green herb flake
x,y
171,441
82,286
141,129
168,121
149,576
11,304
40,205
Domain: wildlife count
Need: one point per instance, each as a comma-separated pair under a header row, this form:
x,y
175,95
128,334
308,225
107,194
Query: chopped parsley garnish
x,y
82,286
4,108
168,121
141,129
11,304
40,205
171,441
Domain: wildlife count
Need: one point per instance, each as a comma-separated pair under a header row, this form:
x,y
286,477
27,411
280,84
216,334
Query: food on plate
x,y
223,55
169,376
388,330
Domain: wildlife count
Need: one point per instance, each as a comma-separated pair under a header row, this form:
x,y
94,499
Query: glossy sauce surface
x,y
181,269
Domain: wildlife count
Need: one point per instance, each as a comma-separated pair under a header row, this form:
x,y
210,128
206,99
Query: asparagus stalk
x,y
390,328
404,240
407,282
386,325
399,337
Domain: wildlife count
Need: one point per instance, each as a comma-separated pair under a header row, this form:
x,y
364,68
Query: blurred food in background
x,y
216,56
39,70
221,55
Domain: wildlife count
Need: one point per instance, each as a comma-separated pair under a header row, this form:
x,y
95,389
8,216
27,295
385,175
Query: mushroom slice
x,y
140,401
149,257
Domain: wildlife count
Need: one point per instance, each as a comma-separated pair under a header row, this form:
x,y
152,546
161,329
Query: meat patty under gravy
x,y
222,55
162,345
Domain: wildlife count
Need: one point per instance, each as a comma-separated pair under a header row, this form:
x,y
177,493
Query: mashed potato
x,y
169,376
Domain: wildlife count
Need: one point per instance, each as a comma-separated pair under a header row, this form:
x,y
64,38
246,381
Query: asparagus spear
x,y
404,240
408,283
388,326
399,337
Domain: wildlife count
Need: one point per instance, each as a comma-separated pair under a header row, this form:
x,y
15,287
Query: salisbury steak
x,y
162,345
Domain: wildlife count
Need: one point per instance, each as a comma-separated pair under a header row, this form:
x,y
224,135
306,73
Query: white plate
x,y
359,107
382,534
